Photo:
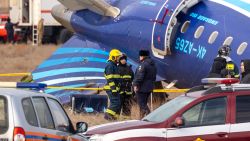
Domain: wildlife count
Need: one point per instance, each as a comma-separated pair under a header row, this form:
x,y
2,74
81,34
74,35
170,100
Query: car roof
x,y
202,90
21,92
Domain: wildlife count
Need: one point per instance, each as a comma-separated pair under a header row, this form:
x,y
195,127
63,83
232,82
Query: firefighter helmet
x,y
114,53
224,50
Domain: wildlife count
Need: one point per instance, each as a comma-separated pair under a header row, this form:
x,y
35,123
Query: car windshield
x,y
4,115
167,110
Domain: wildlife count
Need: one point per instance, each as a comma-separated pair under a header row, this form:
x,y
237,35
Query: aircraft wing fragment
x,y
98,6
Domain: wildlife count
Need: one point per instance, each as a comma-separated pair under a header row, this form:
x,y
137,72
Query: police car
x,y
29,116
205,113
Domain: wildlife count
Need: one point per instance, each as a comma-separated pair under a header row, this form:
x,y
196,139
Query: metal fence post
x,y
151,102
73,104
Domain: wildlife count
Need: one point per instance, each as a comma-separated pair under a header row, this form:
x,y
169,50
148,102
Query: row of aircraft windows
x,y
242,47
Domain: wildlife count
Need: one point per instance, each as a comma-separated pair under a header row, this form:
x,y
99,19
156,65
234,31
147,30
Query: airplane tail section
x,y
80,62
98,6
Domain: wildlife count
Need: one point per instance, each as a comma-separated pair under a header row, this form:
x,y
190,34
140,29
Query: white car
x,y
29,115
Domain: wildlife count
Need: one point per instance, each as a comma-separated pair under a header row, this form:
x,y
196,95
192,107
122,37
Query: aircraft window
x,y
199,32
185,26
242,48
213,37
228,41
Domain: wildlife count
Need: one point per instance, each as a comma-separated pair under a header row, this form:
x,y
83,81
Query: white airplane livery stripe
x,y
234,7
135,133
70,79
246,1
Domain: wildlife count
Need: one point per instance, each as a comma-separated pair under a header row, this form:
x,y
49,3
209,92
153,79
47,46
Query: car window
x,y
167,110
242,109
60,117
4,119
29,112
209,112
43,113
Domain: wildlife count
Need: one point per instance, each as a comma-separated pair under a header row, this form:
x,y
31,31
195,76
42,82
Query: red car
x,y
204,113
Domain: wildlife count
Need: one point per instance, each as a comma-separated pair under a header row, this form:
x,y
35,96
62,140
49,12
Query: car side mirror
x,y
81,127
178,122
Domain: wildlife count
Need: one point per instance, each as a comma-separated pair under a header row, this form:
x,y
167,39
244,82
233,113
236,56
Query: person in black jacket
x,y
127,76
223,66
112,86
9,26
218,66
245,71
143,83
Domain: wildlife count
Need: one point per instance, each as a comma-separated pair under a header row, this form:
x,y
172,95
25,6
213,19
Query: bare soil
x,y
22,58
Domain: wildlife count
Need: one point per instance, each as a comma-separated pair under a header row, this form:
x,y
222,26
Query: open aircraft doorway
x,y
164,24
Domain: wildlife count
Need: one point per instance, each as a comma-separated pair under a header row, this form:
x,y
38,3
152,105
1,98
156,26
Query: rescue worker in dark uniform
x,y
218,66
143,82
127,76
9,26
223,66
245,71
112,86
231,70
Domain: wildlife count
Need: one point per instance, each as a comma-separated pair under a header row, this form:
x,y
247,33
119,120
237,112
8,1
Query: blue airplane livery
x,y
183,37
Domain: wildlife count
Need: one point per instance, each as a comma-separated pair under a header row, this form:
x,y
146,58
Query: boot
x,y
109,117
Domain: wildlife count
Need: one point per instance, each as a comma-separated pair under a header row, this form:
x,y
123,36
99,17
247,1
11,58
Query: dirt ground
x,y
25,58
22,58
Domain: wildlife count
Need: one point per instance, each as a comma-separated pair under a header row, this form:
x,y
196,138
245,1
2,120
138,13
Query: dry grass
x,y
96,119
22,58
25,58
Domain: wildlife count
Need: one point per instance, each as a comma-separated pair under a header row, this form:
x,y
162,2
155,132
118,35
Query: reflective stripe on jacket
x,y
113,77
127,76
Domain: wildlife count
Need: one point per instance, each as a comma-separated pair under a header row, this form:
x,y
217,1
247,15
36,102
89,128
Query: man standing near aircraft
x,y
112,86
143,83
127,76
231,70
223,66
9,26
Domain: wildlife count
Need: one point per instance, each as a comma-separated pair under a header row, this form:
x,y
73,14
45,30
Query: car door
x,y
63,124
240,128
5,119
47,128
64,127
33,128
205,121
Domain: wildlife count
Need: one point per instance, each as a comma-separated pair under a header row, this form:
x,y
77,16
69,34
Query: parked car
x,y
30,115
204,113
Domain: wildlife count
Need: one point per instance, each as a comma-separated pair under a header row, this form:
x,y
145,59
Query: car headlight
x,y
96,138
